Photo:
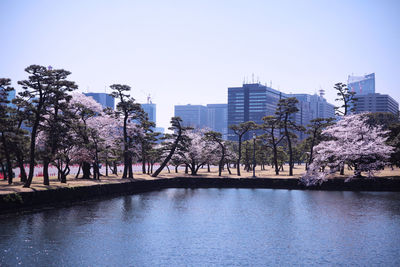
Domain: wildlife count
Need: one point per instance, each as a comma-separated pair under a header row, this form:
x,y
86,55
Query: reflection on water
x,y
210,227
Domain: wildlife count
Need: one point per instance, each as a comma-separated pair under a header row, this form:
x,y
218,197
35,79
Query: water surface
x,y
178,227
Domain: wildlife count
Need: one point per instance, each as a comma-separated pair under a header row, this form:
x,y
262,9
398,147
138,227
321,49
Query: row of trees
x,y
58,126
51,124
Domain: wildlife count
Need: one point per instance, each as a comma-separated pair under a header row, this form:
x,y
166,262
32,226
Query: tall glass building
x,y
217,118
362,85
150,109
192,115
251,102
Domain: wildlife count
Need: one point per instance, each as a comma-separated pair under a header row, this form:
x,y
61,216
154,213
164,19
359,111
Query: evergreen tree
x,y
285,110
177,136
129,111
240,130
348,99
6,124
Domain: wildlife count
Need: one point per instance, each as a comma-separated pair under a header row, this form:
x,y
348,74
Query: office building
x,y
150,109
217,118
251,102
361,85
104,99
312,107
376,103
192,115
318,107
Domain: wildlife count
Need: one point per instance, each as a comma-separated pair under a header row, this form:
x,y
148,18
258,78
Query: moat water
x,y
209,227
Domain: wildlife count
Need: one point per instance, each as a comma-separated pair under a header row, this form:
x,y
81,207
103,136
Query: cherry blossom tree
x,y
84,108
351,141
197,150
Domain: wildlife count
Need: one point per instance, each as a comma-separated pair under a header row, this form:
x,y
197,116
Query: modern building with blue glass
x,y
361,85
217,118
150,109
251,102
104,99
192,115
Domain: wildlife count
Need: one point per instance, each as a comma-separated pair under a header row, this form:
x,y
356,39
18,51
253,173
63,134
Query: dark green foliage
x,y
383,119
394,141
6,125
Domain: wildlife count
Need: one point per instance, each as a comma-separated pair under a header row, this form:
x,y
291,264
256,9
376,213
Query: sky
x,y
190,52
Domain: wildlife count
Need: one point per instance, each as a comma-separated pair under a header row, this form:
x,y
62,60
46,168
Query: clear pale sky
x,y
185,52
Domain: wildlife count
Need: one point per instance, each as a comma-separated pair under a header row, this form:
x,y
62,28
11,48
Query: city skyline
x,y
184,53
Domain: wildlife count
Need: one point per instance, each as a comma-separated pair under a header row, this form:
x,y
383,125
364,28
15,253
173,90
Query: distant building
x,y
104,99
362,85
251,102
192,115
217,118
150,109
376,103
312,107
318,107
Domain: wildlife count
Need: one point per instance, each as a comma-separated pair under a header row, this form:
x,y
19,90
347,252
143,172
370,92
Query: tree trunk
x,y
130,168
115,171
176,168
86,170
95,172
46,180
126,163
290,148
227,167
20,162
239,156
143,164
342,169
8,159
32,146
208,168
221,162
79,170
59,165
171,153
106,167
193,168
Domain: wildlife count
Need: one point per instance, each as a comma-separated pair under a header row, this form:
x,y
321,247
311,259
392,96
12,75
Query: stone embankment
x,y
28,200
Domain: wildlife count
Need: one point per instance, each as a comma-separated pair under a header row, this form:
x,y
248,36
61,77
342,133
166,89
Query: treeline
x,y
49,123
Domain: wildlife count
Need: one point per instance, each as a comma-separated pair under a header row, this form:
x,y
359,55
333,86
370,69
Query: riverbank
x,y
27,198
